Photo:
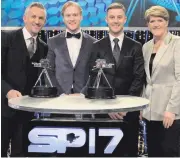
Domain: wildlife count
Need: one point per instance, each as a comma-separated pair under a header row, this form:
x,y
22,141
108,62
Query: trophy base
x,y
44,92
100,93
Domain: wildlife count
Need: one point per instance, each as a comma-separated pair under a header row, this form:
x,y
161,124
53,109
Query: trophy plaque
x,y
97,91
40,90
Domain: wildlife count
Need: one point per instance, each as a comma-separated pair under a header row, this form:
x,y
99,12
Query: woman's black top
x,y
151,62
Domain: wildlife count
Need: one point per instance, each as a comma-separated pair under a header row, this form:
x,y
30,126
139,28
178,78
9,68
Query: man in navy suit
x,y
126,77
19,49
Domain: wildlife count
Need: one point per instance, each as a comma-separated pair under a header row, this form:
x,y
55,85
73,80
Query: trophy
x,y
43,91
97,91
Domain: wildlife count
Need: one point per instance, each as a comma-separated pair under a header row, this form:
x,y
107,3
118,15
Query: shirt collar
x,y
120,37
27,35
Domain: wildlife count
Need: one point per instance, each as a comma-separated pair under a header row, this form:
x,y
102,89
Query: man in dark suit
x,y
19,49
126,76
69,52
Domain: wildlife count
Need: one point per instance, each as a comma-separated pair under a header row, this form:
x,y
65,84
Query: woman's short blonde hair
x,y
68,4
156,11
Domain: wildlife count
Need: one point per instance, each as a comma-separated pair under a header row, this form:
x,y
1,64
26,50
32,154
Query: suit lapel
x,y
161,51
123,51
82,49
64,48
22,43
39,49
147,56
108,55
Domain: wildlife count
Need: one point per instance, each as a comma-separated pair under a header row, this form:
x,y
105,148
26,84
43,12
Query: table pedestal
x,y
73,138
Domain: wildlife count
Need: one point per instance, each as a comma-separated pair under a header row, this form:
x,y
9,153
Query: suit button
x,y
73,81
74,69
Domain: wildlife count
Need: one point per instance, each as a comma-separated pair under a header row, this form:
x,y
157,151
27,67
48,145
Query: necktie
x,y
70,35
116,50
31,47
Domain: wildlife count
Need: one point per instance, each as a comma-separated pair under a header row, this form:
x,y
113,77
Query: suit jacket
x,y
163,86
64,75
17,71
126,77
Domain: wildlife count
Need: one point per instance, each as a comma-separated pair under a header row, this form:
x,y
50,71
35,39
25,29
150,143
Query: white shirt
x,y
120,37
74,46
27,37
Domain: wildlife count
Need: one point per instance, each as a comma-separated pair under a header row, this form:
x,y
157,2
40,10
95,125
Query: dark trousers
x,y
162,142
129,142
12,129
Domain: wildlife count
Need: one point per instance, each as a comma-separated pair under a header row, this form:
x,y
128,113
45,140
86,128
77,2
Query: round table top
x,y
73,104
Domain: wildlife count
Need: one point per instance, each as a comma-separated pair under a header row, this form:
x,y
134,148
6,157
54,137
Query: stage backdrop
x,y
94,12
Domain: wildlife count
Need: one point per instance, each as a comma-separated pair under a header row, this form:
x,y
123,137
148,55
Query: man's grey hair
x,y
35,4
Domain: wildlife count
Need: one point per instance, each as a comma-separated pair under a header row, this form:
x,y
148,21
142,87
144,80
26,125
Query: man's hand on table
x,y
140,115
117,116
13,94
75,94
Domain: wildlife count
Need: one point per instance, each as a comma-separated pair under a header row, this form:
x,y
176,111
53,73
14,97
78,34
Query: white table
x,y
68,104
77,105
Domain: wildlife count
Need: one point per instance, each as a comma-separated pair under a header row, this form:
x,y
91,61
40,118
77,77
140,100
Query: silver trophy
x,y
40,90
97,91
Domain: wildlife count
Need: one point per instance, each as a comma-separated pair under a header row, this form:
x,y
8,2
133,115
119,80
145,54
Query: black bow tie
x,y
77,35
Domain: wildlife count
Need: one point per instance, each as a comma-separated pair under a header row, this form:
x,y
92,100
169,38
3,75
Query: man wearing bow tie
x,y
69,52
